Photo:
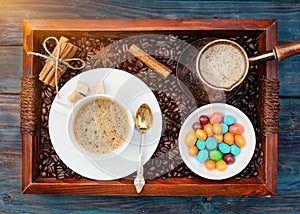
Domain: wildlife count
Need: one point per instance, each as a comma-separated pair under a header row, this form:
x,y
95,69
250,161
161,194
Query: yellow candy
x,y
217,128
190,138
221,165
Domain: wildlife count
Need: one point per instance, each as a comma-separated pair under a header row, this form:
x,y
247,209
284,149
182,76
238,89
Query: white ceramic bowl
x,y
70,121
241,161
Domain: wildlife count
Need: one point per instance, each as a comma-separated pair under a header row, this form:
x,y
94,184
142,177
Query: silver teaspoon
x,y
143,122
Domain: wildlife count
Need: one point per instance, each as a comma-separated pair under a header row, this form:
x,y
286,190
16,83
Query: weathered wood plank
x,y
14,11
10,69
288,74
288,148
10,122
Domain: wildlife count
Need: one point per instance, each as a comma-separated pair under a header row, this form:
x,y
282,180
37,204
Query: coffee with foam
x,y
101,126
222,65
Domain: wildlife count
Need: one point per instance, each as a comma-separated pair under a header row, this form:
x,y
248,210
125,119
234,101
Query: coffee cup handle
x,y
279,53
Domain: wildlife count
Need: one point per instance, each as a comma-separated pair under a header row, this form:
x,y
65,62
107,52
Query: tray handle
x,y
270,113
28,105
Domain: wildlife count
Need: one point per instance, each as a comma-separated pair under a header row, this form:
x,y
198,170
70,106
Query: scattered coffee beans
x,y
175,104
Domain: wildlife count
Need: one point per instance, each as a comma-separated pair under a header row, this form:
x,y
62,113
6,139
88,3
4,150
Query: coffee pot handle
x,y
287,50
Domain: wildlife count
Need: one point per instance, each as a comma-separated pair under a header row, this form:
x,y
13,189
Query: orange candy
x,y
228,138
193,150
239,140
209,130
210,164
221,165
201,134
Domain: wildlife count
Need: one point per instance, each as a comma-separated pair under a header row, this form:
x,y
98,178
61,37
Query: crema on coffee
x,y
101,126
222,65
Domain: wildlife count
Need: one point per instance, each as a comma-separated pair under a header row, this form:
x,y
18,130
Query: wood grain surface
x,y
11,25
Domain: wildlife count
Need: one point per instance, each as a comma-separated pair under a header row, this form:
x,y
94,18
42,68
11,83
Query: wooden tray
x,y
264,184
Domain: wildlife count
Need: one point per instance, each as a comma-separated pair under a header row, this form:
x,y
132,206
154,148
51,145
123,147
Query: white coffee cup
x,y
78,106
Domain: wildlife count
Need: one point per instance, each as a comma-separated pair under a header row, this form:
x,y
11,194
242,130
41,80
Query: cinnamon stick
x,y
149,61
67,50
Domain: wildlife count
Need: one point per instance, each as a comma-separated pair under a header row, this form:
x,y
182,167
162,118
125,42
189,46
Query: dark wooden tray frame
x,y
264,184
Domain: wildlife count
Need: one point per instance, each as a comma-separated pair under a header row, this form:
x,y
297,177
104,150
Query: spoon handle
x,y
139,180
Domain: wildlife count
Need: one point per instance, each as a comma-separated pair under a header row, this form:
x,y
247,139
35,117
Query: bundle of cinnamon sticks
x,y
67,51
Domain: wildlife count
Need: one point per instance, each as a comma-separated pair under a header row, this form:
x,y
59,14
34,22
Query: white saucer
x,y
129,90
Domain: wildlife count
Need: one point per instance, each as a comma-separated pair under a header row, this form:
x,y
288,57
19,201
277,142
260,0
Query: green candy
x,y
215,155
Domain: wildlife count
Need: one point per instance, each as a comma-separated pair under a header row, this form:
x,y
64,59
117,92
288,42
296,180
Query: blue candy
x,y
211,143
229,120
224,148
235,150
202,156
224,128
200,144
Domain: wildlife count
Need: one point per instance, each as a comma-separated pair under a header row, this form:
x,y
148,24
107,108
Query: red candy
x,y
236,128
197,125
204,119
229,158
216,117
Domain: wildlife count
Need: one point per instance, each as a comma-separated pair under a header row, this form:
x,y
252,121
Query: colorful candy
x,y
229,138
190,138
236,128
224,128
229,120
201,134
203,119
200,144
211,143
224,148
202,156
208,129
239,140
193,150
215,155
197,125
215,140
229,158
221,165
217,128
216,117
210,164
235,150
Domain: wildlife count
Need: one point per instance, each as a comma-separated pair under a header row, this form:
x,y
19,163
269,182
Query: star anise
x,y
103,56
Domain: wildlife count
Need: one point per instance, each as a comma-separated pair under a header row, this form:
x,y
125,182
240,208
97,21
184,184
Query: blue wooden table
x,y
13,12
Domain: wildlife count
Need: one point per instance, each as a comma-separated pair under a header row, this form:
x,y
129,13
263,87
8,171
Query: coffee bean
x,y
43,174
139,64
